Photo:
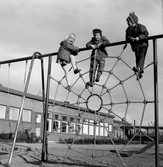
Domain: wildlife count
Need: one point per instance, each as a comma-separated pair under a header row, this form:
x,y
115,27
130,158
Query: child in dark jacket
x,y
137,35
98,55
66,54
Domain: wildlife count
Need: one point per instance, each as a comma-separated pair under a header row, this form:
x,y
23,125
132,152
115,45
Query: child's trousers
x,y
140,55
96,65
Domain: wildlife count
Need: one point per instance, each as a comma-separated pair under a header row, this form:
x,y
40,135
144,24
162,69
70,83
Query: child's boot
x,y
141,71
77,71
91,78
135,69
89,84
97,78
139,76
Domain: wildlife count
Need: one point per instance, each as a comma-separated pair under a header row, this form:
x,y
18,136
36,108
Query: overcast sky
x,y
38,25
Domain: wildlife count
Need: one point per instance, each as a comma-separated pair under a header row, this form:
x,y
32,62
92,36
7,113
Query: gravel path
x,y
79,156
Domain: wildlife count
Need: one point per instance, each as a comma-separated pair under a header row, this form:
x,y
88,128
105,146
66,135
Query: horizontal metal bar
x,y
80,49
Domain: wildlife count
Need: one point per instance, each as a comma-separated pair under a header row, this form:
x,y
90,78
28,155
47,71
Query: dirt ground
x,y
59,155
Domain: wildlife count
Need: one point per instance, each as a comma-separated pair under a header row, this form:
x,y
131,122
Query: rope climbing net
x,y
100,102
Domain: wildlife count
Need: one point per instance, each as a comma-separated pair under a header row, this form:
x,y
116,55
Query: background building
x,y
63,118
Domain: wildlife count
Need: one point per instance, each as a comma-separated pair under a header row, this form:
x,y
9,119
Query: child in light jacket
x,y
66,54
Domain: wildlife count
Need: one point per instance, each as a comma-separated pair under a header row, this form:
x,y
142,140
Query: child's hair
x,y
71,34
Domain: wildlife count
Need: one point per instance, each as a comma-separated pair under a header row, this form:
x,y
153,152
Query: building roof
x,y
142,127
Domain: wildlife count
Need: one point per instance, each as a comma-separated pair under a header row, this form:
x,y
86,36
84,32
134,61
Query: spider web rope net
x,y
106,104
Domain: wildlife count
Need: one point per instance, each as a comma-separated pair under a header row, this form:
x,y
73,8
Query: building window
x,y
97,129
49,115
101,129
56,126
121,134
49,122
38,118
72,128
57,116
72,119
79,126
64,118
79,120
91,127
56,123
106,129
72,125
64,124
26,116
110,128
14,113
38,132
116,132
85,127
2,112
64,127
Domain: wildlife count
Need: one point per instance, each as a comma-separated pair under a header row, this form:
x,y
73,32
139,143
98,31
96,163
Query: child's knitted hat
x,y
95,31
132,18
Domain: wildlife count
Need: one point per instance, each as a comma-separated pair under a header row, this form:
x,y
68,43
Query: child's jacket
x,y
65,50
137,31
100,52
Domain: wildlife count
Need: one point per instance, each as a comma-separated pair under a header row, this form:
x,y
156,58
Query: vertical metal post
x,y
21,107
134,126
156,102
43,99
44,146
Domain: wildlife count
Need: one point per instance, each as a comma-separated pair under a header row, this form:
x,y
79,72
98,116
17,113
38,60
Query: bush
x,y
31,136
22,136
27,136
91,141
